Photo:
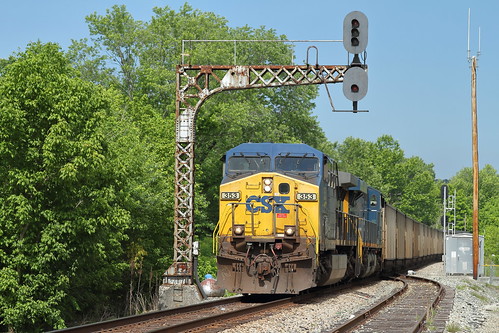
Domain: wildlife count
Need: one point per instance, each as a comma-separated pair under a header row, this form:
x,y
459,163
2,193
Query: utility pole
x,y
474,134
475,167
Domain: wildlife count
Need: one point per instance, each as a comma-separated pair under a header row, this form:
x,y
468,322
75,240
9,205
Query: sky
x,y
419,74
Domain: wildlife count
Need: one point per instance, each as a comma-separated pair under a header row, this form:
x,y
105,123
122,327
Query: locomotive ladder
x,y
194,85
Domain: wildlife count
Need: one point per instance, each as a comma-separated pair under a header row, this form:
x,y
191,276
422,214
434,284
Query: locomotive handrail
x,y
214,248
345,220
305,211
233,204
231,211
348,225
297,220
217,227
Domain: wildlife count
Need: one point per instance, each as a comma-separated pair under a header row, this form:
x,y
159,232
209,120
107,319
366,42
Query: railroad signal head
x,y
354,34
355,27
355,83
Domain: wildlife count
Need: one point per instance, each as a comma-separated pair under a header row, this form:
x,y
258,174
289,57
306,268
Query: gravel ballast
x,y
475,309
323,313
476,302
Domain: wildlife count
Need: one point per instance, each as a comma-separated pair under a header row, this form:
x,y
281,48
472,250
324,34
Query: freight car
x,y
290,221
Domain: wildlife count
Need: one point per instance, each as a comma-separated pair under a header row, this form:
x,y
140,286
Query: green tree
x,y
491,242
488,193
488,204
60,223
144,57
489,213
420,196
120,35
142,155
407,183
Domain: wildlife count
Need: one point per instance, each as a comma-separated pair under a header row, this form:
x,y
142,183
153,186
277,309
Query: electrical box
x,y
459,254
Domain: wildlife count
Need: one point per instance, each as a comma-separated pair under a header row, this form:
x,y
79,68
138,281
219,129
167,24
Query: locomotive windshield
x,y
248,164
300,164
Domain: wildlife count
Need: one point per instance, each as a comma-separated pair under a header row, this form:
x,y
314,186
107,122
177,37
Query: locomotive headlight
x,y
267,185
238,229
289,230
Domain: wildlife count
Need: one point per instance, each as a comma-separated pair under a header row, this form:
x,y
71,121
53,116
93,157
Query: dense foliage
x,y
59,210
143,56
488,194
407,183
87,161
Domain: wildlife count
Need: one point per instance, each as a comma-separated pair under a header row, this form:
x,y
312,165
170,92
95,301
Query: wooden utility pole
x,y
475,167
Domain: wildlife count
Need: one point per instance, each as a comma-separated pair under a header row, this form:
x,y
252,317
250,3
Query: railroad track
x,y
407,310
212,316
205,317
152,321
410,306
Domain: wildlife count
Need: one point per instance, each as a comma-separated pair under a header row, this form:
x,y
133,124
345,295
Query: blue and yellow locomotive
x,y
289,221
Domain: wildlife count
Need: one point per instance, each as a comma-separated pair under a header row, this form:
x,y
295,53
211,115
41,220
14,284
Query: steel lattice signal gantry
x,y
194,85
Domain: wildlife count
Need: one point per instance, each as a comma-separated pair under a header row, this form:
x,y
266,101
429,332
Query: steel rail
x,y
418,327
372,311
364,315
116,324
197,323
130,320
241,313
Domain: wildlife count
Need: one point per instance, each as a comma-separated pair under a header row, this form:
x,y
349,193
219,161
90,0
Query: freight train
x,y
290,220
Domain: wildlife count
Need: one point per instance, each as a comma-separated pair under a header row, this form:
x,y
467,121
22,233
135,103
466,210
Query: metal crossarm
x,y
194,85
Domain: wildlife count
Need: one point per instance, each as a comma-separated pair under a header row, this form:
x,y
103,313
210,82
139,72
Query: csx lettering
x,y
263,204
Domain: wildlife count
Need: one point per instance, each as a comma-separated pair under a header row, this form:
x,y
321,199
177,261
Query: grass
x,y
491,286
478,291
453,327
479,296
473,286
430,325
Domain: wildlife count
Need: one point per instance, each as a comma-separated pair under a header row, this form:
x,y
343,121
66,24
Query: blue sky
x,y
419,76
